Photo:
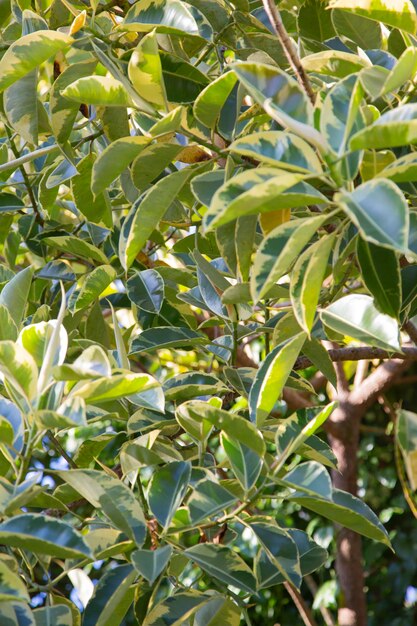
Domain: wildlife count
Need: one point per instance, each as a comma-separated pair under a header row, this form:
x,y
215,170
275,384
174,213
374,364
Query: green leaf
x,y
152,161
219,610
275,147
337,63
280,548
96,208
167,489
306,281
112,597
145,215
278,250
183,81
380,271
314,21
282,98
10,203
176,609
245,463
311,556
63,112
209,499
93,285
265,82
406,435
319,356
271,377
402,170
340,116
258,191
236,427
91,363
356,316
167,337
21,106
114,160
145,71
146,290
208,105
348,511
112,497
12,587
28,52
310,478
191,384
396,127
38,338
15,293
17,614
60,615
77,247
368,205
224,564
399,14
361,31
119,385
40,533
292,434
98,90
168,16
150,563
19,370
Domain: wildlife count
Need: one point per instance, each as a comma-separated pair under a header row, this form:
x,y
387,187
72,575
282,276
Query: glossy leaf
x,y
356,316
28,52
271,378
150,563
145,215
278,250
112,597
146,290
167,490
399,14
381,274
98,90
145,71
49,536
306,281
113,160
278,148
367,206
224,564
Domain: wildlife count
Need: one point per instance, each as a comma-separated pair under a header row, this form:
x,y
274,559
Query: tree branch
x,y
290,53
360,353
304,611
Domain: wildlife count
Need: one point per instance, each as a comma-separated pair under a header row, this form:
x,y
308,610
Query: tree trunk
x,y
349,567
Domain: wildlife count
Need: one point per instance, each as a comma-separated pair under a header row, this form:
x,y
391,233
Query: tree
x,y
208,274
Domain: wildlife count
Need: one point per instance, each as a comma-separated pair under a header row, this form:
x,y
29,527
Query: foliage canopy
x,y
187,217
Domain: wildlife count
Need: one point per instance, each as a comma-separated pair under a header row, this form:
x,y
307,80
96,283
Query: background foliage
x,y
208,248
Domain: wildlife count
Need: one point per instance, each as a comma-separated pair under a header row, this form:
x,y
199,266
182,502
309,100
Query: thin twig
x,y
303,609
290,53
327,616
55,444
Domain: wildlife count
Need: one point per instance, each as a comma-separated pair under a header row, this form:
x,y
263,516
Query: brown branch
x,y
343,429
289,50
325,613
304,611
360,353
411,330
